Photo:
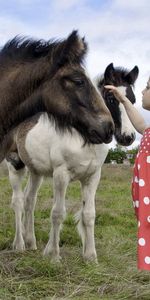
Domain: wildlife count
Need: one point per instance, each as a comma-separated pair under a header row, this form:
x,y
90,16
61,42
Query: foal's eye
x,y
82,104
79,82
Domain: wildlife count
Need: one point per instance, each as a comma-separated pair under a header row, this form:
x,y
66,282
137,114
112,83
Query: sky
x,y
116,31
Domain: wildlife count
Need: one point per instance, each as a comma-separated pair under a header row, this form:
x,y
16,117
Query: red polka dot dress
x,y
141,200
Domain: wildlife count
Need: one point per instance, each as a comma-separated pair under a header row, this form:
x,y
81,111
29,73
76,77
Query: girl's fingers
x,y
108,86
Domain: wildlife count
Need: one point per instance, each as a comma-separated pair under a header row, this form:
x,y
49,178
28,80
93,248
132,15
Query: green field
x,y
29,275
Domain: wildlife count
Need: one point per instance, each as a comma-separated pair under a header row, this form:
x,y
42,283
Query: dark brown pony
x,y
38,76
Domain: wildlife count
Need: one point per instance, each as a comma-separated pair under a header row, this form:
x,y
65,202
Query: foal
x,y
47,151
124,80
39,76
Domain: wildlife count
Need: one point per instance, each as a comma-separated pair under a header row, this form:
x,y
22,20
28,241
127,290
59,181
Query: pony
x,y
124,132
49,76
65,157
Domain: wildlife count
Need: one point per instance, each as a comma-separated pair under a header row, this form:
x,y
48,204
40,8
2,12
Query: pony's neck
x,y
19,83
31,106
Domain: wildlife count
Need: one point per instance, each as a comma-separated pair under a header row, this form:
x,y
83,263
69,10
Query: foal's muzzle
x,y
125,140
102,134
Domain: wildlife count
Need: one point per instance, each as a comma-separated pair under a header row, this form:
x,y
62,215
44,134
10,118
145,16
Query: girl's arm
x,y
135,117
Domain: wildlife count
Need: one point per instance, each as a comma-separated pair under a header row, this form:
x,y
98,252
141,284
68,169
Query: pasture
x,y
29,275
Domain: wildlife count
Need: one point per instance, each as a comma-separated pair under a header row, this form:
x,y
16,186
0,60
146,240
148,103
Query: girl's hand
x,y
120,97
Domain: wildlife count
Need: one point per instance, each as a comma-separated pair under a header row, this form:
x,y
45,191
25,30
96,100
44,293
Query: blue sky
x,y
117,31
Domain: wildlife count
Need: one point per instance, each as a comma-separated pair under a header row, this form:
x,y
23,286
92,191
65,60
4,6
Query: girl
x,y
141,176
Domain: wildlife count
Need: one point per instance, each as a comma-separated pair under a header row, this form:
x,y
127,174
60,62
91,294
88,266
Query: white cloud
x,y
9,28
133,4
66,4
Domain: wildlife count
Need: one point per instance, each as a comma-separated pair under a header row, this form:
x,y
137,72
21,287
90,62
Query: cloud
x,y
67,4
132,5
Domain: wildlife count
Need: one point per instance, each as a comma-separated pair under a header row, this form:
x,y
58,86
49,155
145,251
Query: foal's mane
x,y
27,48
120,76
121,73
21,48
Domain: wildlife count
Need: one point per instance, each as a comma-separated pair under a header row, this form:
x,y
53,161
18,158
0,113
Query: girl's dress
x,y
141,200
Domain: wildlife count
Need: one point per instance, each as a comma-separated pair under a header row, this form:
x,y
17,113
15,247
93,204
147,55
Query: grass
x,y
29,275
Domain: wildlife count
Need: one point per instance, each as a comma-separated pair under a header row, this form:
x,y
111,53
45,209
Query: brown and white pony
x,y
47,151
39,76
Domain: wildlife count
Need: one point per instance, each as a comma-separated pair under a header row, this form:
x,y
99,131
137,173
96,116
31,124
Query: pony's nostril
x,y
108,132
130,138
111,131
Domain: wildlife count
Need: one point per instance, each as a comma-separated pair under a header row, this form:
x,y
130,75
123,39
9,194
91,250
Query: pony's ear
x,y
72,50
132,75
109,73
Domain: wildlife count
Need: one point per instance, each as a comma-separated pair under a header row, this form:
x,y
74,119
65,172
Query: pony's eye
x,y
82,104
79,82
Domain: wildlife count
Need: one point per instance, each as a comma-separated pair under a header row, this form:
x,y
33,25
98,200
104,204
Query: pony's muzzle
x,y
102,134
108,131
125,140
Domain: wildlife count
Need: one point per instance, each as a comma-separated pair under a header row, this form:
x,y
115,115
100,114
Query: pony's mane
x,y
23,48
20,49
120,74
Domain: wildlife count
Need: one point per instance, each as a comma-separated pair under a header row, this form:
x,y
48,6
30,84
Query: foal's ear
x,y
72,50
132,75
109,73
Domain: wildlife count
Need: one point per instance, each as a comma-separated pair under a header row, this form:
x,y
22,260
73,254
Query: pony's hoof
x,y
19,246
55,258
31,245
91,259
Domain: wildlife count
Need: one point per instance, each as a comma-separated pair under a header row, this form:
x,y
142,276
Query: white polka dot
x,y
141,182
141,242
146,200
148,159
139,166
136,179
147,260
139,223
148,219
137,203
133,203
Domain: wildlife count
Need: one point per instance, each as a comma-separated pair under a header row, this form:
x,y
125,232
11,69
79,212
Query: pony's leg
x,y
15,178
30,196
86,217
60,182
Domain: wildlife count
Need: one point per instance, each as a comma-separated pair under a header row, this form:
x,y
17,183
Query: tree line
x,y
119,154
